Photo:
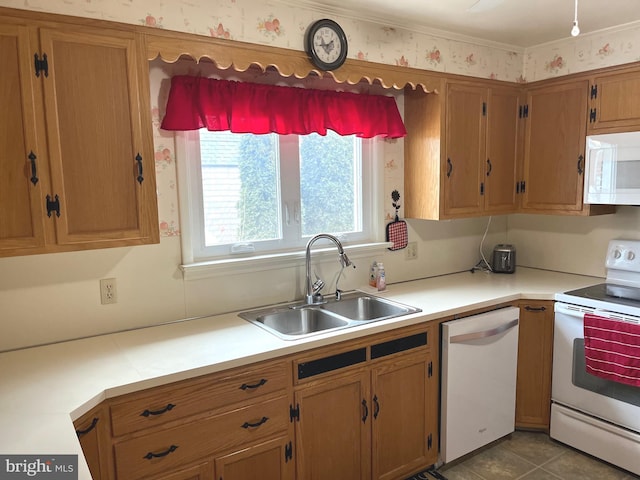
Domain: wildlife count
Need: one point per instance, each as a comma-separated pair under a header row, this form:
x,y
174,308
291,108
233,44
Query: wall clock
x,y
326,44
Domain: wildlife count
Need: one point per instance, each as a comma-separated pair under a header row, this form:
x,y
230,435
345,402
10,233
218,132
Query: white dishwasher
x,y
479,357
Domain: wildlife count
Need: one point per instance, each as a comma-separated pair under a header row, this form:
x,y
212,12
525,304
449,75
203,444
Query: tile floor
x,y
531,456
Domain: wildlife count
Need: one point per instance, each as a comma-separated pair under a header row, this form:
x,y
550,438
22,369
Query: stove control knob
x,y
617,254
631,256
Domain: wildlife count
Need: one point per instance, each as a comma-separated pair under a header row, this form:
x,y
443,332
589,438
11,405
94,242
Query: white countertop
x,y
43,389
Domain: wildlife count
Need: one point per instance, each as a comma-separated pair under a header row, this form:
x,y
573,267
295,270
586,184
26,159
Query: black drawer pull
x,y
254,425
376,407
151,455
79,433
535,309
255,385
147,413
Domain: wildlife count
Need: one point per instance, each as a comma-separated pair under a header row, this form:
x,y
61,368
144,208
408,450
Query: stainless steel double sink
x,y
293,321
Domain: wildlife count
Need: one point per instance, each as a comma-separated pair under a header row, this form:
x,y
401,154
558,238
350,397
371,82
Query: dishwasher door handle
x,y
466,337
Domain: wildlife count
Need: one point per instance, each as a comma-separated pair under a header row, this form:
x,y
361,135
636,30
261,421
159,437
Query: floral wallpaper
x,y
268,23
582,53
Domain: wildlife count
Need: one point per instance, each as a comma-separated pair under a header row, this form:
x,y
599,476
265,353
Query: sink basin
x,y
294,320
368,308
291,323
301,321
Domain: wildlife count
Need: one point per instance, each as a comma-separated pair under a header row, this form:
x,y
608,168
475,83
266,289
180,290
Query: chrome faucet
x,y
312,292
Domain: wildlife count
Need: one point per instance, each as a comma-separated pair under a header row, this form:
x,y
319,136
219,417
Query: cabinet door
x,y
535,351
271,459
464,150
93,437
615,103
502,151
102,164
333,438
23,159
403,427
203,471
554,148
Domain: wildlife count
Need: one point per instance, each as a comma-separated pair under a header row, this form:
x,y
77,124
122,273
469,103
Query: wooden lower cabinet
x,y
362,409
202,471
401,421
166,449
333,433
378,421
93,435
535,353
273,460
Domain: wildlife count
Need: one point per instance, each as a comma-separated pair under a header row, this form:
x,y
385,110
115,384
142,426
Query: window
x,y
253,195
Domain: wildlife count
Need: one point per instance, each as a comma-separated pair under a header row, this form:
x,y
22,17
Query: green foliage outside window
x,y
327,184
258,205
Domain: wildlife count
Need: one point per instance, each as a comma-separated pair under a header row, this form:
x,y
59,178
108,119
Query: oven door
x,y
573,387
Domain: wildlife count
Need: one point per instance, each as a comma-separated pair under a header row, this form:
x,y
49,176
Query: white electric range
x,y
596,415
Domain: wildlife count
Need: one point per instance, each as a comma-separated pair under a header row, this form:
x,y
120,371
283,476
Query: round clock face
x,y
326,44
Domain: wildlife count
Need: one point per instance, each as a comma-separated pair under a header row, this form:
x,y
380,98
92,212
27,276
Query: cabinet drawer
x,y
160,405
170,448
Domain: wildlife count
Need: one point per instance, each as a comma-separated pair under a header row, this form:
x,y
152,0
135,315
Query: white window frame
x,y
190,190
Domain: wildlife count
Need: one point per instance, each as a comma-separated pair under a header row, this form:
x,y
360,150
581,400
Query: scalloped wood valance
x,y
171,46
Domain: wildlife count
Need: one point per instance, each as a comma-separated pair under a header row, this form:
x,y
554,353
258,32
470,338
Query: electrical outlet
x,y
108,293
411,253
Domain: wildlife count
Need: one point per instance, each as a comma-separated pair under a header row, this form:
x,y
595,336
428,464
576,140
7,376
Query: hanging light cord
x,y
575,30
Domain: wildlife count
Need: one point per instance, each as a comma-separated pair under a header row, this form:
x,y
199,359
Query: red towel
x,y
612,349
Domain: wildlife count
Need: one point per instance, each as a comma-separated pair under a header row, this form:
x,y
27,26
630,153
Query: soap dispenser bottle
x,y
381,281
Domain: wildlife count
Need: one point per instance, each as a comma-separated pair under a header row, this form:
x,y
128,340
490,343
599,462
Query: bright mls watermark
x,y
49,467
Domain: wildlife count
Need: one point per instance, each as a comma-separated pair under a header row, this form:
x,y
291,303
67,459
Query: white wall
x,y
570,244
46,298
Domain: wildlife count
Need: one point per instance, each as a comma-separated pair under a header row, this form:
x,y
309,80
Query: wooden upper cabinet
x,y
461,151
554,148
423,178
614,102
464,150
23,157
502,152
102,168
77,119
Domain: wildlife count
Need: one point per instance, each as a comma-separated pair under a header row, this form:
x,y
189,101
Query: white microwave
x,y
612,170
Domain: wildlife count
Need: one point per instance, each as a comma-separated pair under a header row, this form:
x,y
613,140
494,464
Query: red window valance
x,y
242,107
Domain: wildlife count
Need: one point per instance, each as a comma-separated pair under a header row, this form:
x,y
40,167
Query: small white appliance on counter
x,y
479,358
612,170
597,415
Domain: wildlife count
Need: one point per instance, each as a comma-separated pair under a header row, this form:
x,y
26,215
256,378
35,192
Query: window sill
x,y
199,270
